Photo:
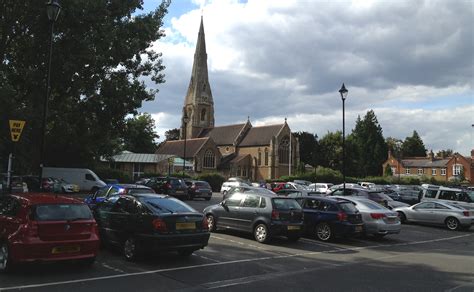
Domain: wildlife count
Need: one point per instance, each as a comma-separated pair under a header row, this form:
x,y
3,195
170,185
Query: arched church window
x,y
266,156
209,159
284,150
204,87
259,160
203,114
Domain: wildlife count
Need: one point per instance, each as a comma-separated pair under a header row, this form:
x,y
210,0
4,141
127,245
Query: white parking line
x,y
112,268
217,264
206,258
237,242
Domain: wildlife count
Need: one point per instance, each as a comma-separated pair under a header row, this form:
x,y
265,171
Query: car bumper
x,y
51,251
347,229
202,194
156,243
382,228
286,229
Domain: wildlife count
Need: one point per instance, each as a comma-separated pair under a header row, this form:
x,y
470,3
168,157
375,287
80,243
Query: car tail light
x,y
159,225
275,215
465,213
205,224
377,215
341,216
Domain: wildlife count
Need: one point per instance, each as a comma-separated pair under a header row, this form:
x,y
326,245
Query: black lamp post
x,y
185,122
52,10
343,91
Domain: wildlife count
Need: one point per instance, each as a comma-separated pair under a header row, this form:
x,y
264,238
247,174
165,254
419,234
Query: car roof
x,y
128,186
42,198
323,199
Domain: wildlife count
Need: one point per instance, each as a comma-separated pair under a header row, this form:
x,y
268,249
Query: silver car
x,y
378,220
454,217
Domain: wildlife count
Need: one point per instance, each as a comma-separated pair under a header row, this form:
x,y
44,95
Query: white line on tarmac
x,y
206,258
217,264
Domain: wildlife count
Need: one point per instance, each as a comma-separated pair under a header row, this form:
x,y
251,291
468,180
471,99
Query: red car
x,y
44,227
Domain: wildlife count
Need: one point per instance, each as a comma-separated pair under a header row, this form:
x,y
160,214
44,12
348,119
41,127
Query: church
x,y
239,150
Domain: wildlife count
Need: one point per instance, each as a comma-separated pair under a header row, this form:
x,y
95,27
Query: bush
x,y
214,179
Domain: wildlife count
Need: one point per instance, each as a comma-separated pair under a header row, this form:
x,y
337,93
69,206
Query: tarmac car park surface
x,y
420,258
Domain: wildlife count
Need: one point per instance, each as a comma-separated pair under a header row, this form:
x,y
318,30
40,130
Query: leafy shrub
x,y
110,173
214,179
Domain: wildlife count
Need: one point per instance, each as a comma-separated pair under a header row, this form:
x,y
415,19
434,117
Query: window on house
x,y
244,171
137,170
443,171
259,160
394,170
407,171
239,171
457,169
284,150
433,171
420,171
266,156
209,159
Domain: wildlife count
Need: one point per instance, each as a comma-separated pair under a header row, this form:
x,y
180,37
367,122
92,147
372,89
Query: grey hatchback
x,y
265,215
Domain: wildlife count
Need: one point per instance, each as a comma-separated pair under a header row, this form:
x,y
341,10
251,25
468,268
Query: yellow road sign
x,y
16,127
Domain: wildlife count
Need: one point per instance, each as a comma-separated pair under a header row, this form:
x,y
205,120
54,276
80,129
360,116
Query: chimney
x,y
472,154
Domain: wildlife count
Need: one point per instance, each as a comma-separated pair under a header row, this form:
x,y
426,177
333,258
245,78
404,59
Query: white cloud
x,y
410,61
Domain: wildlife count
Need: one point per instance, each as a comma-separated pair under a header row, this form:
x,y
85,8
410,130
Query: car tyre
x,y
131,250
185,252
452,223
5,259
211,223
403,217
261,233
324,232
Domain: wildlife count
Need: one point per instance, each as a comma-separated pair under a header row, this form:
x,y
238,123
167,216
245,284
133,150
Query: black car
x,y
115,190
329,218
199,189
172,186
376,196
148,223
265,215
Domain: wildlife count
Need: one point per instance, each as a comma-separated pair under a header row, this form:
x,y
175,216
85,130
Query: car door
x,y
230,216
119,219
9,222
249,210
424,212
312,213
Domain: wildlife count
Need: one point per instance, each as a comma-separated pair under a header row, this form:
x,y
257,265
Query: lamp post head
x,y
52,10
343,91
185,118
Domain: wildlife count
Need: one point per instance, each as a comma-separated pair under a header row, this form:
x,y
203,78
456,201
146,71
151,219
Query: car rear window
x,y
60,212
166,205
203,184
347,207
176,182
285,204
373,206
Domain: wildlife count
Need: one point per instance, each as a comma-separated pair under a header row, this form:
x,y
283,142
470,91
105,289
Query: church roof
x,y
239,158
424,162
223,135
260,136
176,147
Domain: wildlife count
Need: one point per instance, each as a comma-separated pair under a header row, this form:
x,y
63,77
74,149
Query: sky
x,y
411,62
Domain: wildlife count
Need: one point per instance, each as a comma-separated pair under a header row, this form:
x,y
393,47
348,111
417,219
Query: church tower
x,y
198,104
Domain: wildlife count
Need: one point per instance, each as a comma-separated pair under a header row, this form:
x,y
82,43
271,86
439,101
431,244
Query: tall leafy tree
x,y
369,145
395,146
172,134
309,147
445,153
413,146
331,150
101,59
140,134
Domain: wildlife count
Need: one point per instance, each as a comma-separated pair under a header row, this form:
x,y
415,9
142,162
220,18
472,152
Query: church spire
x,y
199,104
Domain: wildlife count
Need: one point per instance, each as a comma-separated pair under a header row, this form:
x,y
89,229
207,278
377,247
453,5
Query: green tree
x,y
413,146
445,153
172,134
309,147
395,146
369,145
140,134
331,150
388,170
101,60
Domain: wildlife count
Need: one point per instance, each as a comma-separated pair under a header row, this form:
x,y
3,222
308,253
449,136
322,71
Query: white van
x,y
453,195
85,178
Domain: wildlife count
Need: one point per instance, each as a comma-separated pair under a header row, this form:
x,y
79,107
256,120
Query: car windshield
x,y
166,205
285,204
60,212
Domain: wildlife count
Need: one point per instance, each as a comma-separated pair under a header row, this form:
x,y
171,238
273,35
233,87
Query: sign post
x,y
16,127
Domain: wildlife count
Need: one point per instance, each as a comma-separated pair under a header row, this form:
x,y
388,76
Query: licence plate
x,y
66,249
358,228
183,226
293,227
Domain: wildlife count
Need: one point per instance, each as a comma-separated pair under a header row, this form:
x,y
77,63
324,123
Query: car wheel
x,y
185,252
402,216
324,232
5,264
211,223
130,249
261,233
452,223
379,236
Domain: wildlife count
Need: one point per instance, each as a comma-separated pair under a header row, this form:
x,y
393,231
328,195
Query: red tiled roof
x,y
259,136
223,135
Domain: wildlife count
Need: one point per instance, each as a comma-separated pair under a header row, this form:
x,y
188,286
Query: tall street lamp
x,y
185,122
52,10
343,91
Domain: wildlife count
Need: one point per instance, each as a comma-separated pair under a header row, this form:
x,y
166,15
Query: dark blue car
x,y
328,218
115,190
